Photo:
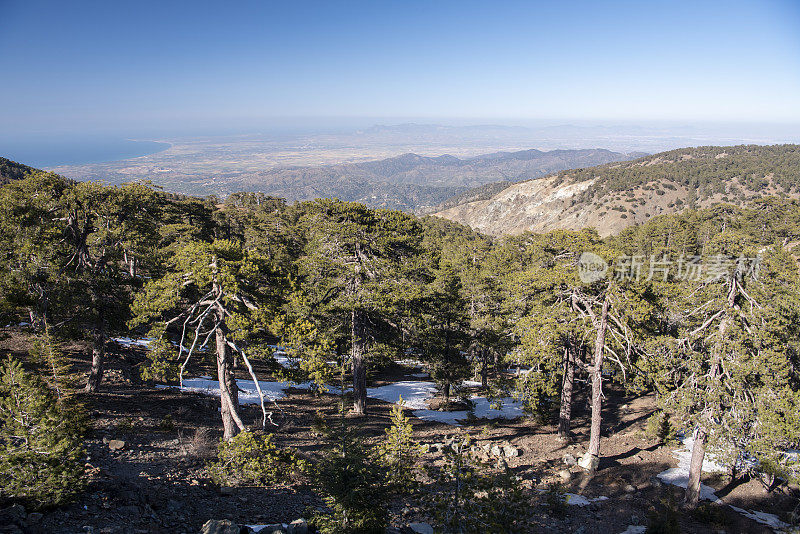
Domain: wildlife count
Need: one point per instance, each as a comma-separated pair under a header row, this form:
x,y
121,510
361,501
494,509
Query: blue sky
x,y
117,65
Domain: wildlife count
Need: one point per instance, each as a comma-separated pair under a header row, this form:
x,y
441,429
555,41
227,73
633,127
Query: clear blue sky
x,y
116,64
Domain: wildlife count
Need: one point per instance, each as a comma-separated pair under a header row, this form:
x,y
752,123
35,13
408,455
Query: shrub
x,y
664,520
659,427
252,458
472,497
399,452
161,362
354,483
556,500
41,441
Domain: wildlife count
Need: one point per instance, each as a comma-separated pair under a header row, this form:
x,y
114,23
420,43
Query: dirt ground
x,y
157,481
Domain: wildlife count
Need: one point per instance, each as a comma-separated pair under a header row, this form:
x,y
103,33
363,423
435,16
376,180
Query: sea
x,y
47,152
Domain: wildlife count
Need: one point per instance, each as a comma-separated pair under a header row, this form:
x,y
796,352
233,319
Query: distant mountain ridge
x,y
408,182
613,196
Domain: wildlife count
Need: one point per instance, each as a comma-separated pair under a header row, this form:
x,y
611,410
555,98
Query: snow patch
x,y
574,499
248,394
771,520
634,529
679,476
415,393
128,342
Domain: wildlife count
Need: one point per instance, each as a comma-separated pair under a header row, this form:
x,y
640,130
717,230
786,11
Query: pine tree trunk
x,y
597,383
229,392
359,365
565,413
98,357
484,369
695,468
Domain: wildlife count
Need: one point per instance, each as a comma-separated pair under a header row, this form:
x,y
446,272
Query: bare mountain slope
x,y
613,196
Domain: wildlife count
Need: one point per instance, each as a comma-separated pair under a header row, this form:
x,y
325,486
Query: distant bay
x,y
51,152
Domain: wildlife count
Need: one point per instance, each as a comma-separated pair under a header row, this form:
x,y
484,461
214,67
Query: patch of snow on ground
x,y
509,408
248,394
410,362
128,342
771,520
471,384
415,393
448,418
574,499
259,528
679,476
421,375
634,529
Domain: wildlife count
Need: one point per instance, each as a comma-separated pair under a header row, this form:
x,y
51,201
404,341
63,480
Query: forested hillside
x,y
172,360
613,196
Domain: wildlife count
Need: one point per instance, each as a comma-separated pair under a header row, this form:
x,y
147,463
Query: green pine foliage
x,y
399,451
253,459
473,497
41,443
354,483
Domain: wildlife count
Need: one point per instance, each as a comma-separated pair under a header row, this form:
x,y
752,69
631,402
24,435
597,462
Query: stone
x,y
510,451
421,528
496,450
629,488
589,462
570,460
116,444
13,514
275,528
298,526
220,526
565,475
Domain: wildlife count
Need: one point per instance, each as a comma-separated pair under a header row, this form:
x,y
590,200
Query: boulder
x,y
589,462
496,450
13,514
298,526
116,444
421,528
570,461
565,475
220,526
510,451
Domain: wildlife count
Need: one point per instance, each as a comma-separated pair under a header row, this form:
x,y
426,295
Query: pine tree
x,y
41,445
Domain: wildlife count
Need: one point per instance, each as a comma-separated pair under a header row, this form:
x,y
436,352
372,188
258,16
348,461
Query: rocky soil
x,y
147,449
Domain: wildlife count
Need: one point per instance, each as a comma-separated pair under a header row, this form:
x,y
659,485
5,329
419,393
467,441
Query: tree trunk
x,y
695,468
484,369
229,392
98,357
446,393
359,365
565,413
597,383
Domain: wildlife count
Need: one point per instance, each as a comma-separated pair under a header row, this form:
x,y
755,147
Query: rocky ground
x,y
147,449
